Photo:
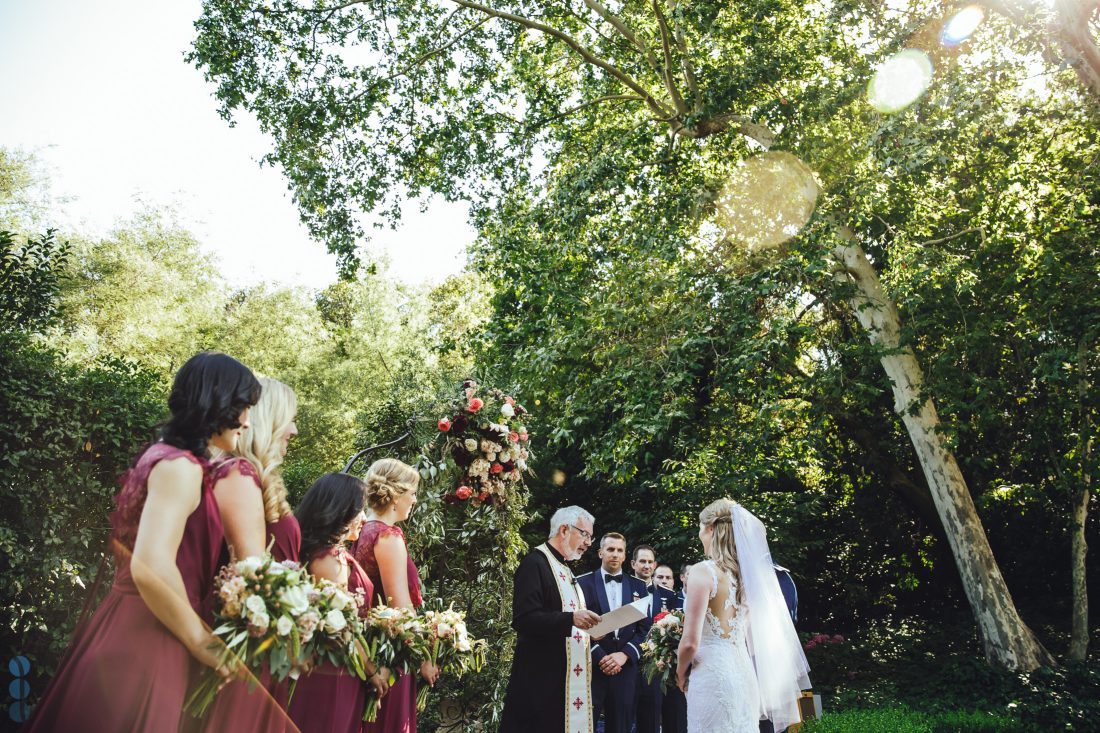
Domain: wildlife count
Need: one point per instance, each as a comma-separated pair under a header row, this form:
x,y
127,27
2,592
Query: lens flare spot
x,y
900,81
962,25
767,201
558,477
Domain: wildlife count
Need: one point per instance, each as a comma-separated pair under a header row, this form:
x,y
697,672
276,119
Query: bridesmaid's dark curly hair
x,y
327,511
208,395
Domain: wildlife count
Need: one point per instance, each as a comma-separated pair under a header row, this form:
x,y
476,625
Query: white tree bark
x,y
1007,640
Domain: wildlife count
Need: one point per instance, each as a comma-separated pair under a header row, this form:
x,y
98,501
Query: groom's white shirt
x,y
614,591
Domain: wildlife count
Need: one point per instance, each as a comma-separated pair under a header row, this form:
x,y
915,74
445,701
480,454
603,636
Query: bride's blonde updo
x,y
723,547
388,479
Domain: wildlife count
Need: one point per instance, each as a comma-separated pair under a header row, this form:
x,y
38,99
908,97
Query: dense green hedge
x,y
68,433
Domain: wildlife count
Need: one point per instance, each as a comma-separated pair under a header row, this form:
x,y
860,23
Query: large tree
x,y
596,140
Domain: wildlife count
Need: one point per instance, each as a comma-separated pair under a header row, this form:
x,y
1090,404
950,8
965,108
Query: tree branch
x,y
689,73
579,107
625,31
658,109
666,47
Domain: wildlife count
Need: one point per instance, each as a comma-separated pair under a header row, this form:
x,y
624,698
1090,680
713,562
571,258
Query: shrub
x,y
67,434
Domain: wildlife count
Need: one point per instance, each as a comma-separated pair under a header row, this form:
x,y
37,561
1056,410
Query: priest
x,y
549,689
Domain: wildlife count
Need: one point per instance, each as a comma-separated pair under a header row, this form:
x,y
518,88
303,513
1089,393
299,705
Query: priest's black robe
x,y
535,701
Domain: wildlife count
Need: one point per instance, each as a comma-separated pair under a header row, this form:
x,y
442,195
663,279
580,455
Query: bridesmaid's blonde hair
x,y
723,547
387,479
261,443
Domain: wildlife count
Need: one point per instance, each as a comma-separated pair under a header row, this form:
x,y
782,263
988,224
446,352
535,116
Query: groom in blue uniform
x,y
615,675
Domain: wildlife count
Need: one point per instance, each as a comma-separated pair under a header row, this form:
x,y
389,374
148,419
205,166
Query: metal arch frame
x,y
390,444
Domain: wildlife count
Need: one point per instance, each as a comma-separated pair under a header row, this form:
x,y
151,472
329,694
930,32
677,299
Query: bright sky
x,y
98,89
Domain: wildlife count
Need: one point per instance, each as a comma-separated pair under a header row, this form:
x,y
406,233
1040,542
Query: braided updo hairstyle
x,y
387,479
723,547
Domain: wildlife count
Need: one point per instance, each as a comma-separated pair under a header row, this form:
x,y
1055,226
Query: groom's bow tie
x,y
613,578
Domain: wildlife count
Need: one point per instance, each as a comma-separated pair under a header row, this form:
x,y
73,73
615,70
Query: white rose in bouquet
x,y
255,605
261,621
248,566
335,621
295,599
340,600
284,625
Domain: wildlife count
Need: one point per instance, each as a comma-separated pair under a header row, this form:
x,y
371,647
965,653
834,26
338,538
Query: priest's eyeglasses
x,y
584,533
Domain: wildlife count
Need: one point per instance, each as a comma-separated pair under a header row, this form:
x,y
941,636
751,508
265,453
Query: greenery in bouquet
x,y
450,647
660,647
396,639
485,437
265,611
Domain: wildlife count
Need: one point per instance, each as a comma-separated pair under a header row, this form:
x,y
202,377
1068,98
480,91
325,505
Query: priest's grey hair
x,y
569,515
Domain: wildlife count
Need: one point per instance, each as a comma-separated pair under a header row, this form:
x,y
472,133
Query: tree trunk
x,y
1079,632
1008,642
1072,31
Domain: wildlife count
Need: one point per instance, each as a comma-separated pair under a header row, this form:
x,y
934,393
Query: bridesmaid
x,y
128,668
331,700
253,506
391,494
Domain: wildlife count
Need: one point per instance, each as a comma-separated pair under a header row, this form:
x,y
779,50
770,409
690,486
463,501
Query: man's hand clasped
x,y
613,663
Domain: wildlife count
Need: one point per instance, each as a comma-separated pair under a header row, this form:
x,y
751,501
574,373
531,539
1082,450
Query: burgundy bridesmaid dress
x,y
330,699
125,671
398,713
261,708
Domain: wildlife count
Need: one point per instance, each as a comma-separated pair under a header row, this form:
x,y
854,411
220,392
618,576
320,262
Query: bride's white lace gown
x,y
722,695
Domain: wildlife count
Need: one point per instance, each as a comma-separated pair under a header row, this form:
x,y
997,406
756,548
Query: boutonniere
x,y
636,594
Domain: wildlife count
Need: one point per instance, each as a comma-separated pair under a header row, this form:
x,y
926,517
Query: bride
x,y
739,646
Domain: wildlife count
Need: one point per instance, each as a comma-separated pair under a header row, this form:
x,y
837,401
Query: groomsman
x,y
664,577
615,672
650,699
673,703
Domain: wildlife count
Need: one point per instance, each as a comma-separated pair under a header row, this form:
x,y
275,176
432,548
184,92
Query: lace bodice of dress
x,y
722,690
729,625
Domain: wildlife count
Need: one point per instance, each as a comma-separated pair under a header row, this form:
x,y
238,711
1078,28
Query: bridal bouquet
x,y
450,647
397,639
485,436
660,647
266,611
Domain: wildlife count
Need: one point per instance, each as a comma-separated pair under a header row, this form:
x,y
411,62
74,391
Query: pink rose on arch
x,y
524,436
496,468
483,496
510,400
444,425
475,404
464,492
811,644
513,436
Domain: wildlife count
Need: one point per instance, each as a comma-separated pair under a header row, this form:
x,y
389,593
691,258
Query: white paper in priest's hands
x,y
620,617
